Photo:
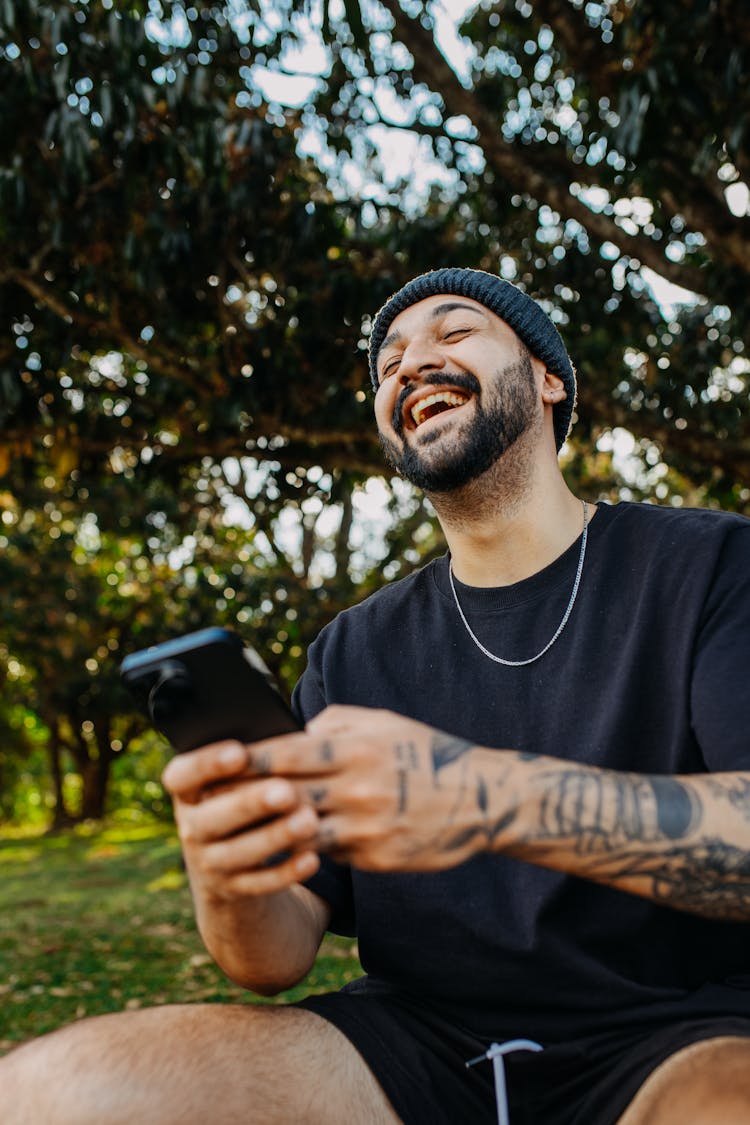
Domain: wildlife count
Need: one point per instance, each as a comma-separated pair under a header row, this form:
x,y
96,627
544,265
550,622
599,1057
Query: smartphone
x,y
206,687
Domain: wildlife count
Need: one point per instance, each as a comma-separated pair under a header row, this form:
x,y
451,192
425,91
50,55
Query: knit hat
x,y
527,319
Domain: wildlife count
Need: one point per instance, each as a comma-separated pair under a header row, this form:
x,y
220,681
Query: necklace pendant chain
x,y
560,627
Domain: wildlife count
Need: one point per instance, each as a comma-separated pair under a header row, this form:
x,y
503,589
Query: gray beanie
x,y
527,319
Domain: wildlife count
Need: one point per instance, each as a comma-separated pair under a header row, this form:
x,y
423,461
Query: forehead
x,y
432,308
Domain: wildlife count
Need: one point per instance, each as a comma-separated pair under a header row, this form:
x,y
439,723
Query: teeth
x,y
419,411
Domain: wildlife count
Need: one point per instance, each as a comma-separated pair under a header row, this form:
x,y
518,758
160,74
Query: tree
x,y
593,152
168,265
185,433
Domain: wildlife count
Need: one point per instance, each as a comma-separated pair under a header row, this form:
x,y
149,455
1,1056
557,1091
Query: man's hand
x,y
392,794
231,825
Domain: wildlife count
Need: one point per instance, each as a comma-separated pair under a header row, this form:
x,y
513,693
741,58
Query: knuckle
x,y
361,791
188,830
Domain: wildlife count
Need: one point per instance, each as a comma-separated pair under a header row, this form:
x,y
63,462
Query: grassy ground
x,y
101,919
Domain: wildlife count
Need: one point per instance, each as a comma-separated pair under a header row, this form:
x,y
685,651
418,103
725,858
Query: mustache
x,y
464,380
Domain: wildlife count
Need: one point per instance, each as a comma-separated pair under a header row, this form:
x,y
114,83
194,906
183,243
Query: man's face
x,y
456,390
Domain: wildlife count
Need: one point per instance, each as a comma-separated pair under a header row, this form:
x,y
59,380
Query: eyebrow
x,y
437,312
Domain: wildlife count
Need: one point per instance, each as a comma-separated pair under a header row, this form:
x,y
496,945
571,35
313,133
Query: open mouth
x,y
436,403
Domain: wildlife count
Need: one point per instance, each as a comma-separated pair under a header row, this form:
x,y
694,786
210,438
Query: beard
x,y
510,411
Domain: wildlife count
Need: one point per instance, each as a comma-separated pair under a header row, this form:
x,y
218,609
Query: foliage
x,y
185,435
169,268
98,921
593,153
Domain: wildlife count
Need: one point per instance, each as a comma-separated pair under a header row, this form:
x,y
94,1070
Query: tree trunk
x,y
95,775
61,816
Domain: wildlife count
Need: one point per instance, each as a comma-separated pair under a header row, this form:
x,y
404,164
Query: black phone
x,y
206,687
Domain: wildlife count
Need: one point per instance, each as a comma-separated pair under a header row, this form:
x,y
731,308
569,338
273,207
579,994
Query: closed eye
x,y
390,367
456,332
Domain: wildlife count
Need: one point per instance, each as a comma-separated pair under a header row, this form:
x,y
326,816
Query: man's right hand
x,y
233,826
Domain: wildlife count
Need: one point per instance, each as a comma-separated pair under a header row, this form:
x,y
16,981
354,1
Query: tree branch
x,y
582,44
524,170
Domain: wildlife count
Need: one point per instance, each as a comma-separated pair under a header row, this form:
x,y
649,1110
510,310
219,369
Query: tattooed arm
x,y
395,795
680,841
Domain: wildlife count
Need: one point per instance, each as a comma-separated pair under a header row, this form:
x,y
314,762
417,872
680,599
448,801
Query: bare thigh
x,y
192,1064
706,1083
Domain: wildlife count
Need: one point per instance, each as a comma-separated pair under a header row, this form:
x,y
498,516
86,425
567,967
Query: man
x,y
524,783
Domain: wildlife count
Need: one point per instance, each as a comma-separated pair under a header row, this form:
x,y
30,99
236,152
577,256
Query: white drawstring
x,y
495,1053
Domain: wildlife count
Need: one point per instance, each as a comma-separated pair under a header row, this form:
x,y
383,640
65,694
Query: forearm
x,y
393,794
264,943
680,841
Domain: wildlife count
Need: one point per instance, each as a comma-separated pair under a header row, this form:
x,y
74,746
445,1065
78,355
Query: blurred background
x,y
201,207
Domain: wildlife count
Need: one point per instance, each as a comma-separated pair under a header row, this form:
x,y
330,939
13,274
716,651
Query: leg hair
x,y
188,1064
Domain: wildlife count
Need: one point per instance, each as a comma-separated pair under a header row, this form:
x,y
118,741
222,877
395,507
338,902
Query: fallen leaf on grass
x,y
104,851
199,959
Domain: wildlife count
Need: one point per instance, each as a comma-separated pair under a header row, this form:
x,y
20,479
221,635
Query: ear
x,y
553,389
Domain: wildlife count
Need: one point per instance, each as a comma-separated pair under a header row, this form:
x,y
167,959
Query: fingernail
x,y
278,794
233,755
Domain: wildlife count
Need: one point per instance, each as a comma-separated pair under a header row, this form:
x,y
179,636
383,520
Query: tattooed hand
x,y
392,794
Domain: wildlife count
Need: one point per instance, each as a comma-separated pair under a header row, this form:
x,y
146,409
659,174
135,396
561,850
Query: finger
x,y
295,756
187,775
223,814
255,848
330,836
321,794
268,880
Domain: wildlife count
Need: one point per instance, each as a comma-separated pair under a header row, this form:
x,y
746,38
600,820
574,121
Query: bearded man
x,y
524,784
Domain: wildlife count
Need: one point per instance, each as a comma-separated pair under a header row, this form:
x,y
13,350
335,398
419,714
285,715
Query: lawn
x,y
101,919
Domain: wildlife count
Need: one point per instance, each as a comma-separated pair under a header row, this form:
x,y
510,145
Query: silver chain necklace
x,y
560,627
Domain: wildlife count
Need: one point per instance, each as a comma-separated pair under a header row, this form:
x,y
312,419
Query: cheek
x,y
385,400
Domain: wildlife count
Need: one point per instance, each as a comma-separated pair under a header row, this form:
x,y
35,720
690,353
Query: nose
x,y
419,359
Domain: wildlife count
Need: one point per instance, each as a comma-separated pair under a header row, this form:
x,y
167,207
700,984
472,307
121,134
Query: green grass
x,y
101,919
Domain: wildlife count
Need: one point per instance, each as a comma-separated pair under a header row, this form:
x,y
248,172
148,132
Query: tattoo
x,y
318,796
261,762
626,827
709,877
482,799
736,790
677,809
326,751
407,759
488,832
403,797
442,841
604,812
445,750
326,836
406,754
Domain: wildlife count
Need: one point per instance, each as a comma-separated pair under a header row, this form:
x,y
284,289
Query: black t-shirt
x,y
650,675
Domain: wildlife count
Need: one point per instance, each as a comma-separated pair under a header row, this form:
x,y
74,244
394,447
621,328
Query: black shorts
x,y
419,1058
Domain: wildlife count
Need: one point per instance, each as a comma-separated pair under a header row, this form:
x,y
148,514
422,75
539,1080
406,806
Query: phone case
x,y
206,687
